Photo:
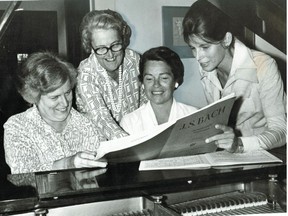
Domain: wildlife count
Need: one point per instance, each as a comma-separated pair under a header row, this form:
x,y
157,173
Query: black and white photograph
x,y
143,107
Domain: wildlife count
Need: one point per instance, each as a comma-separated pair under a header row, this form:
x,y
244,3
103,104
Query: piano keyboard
x,y
144,212
234,203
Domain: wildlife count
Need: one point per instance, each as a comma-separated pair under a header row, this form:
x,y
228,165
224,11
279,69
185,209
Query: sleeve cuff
x,y
250,143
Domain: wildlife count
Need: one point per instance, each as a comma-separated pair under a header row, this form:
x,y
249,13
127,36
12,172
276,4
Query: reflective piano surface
x,y
122,188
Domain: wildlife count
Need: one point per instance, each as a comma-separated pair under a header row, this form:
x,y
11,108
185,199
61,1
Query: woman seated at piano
x,y
228,66
50,135
161,73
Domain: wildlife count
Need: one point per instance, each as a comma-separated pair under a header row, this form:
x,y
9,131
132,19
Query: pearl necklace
x,y
115,107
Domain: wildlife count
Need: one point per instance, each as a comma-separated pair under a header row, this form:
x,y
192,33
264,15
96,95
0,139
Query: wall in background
x,y
145,19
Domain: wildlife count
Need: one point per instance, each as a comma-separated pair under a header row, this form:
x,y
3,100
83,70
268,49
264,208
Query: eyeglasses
x,y
103,50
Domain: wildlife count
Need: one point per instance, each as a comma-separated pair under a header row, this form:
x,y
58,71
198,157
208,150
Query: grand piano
x,y
124,190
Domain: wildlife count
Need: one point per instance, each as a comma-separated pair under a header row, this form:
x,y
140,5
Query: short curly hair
x,y
103,19
166,55
41,73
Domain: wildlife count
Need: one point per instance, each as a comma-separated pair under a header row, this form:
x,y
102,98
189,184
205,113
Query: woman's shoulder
x,y
265,64
129,53
79,118
83,124
89,72
136,114
184,106
181,109
81,121
258,57
22,119
85,63
261,57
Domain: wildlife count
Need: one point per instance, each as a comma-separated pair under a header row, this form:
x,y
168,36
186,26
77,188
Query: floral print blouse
x,y
31,145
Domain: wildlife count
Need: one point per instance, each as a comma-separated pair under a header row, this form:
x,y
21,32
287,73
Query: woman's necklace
x,y
115,107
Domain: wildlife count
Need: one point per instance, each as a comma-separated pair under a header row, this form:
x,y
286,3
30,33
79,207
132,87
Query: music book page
x,y
224,158
188,132
208,160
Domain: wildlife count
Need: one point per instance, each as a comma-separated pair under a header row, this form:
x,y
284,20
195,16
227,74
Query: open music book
x,y
186,136
208,160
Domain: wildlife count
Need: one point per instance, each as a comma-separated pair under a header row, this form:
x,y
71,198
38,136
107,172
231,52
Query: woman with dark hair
x,y
228,66
51,134
161,72
108,85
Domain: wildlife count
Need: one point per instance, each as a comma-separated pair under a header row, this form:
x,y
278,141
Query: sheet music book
x,y
186,136
208,160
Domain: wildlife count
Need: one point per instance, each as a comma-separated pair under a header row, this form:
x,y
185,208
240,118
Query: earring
x,y
176,85
228,39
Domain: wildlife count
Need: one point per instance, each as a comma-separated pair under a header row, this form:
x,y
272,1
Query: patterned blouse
x,y
31,145
92,97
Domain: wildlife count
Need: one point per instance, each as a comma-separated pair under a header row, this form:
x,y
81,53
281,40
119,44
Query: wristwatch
x,y
240,147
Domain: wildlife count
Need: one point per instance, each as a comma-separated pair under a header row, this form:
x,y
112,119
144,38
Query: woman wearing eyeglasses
x,y
108,85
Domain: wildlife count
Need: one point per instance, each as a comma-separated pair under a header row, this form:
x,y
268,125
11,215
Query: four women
x,y
52,135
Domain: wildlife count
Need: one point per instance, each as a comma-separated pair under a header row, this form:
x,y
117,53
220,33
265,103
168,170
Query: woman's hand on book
x,y
226,140
87,159
79,160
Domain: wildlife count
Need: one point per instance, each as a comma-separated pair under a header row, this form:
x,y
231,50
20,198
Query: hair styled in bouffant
x,y
41,73
103,19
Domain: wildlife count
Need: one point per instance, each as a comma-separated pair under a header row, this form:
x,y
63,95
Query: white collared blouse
x,y
260,112
144,117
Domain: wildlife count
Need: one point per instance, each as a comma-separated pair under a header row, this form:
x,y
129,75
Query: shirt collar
x,y
171,115
41,123
243,66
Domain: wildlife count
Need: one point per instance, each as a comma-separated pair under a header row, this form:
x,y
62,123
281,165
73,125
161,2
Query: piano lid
x,y
7,17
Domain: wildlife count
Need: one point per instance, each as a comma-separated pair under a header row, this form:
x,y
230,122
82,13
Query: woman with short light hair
x,y
108,87
50,135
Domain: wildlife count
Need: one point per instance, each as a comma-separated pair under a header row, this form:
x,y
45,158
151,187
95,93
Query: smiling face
x,y
209,55
106,38
158,82
55,106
